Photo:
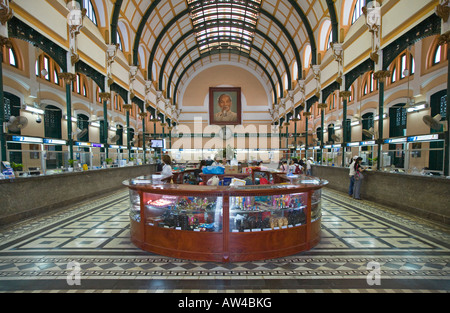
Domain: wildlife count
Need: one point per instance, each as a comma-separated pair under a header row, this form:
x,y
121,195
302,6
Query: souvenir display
x,y
182,213
263,213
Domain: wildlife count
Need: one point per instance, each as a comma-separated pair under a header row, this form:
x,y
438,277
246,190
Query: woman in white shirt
x,y
167,168
351,175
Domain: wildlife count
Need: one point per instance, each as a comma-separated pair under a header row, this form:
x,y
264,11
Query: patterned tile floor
x,y
359,239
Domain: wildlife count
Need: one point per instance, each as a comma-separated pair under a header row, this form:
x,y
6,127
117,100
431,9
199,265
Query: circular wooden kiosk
x,y
226,223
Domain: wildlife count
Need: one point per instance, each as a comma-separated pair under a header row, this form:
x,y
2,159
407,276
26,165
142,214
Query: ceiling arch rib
x,y
155,13
253,46
200,58
140,29
215,51
160,37
115,20
220,23
150,63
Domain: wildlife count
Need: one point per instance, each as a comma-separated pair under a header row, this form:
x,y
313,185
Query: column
x,y
6,15
380,76
445,39
3,42
344,95
322,107
143,115
68,78
306,114
105,97
128,108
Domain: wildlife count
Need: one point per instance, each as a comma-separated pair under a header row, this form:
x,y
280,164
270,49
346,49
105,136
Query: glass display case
x,y
262,213
225,223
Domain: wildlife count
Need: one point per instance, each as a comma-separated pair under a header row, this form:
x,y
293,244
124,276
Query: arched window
x,y
367,123
369,84
295,71
394,74
330,132
82,124
330,39
118,103
119,41
436,53
357,10
402,67
80,85
90,12
119,132
10,56
47,68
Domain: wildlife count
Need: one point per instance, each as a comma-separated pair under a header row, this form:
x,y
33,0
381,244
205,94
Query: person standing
x,y
358,177
309,166
167,168
351,175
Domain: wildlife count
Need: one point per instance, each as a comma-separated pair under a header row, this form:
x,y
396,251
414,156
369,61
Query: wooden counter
x,y
222,223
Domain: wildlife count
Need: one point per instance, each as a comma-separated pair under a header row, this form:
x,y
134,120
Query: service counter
x,y
427,197
25,197
225,223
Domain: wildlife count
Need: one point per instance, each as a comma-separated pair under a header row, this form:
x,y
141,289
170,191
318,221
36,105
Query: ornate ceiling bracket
x,y
443,11
132,77
111,52
372,11
316,73
6,14
338,53
75,22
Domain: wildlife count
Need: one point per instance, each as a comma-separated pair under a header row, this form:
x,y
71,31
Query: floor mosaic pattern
x,y
364,248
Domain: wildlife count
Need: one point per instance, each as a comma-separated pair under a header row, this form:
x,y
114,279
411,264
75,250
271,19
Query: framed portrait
x,y
225,105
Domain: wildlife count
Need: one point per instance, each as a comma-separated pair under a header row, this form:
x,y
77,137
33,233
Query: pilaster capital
x,y
67,77
4,41
127,106
105,96
381,74
444,38
345,94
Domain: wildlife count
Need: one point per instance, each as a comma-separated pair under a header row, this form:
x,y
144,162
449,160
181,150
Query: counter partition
x,y
225,223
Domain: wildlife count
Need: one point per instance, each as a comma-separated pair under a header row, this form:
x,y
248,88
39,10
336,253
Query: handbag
x,y
359,176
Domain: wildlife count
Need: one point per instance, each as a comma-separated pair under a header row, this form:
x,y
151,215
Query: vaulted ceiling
x,y
177,38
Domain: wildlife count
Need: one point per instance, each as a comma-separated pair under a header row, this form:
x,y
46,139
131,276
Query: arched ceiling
x,y
268,36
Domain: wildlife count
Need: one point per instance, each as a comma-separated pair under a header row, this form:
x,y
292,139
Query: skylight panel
x,y
224,24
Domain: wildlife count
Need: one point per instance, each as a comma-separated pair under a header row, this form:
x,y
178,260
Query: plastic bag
x,y
213,181
218,170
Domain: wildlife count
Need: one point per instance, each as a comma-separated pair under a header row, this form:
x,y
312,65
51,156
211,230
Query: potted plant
x,y
108,162
71,162
131,161
17,167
